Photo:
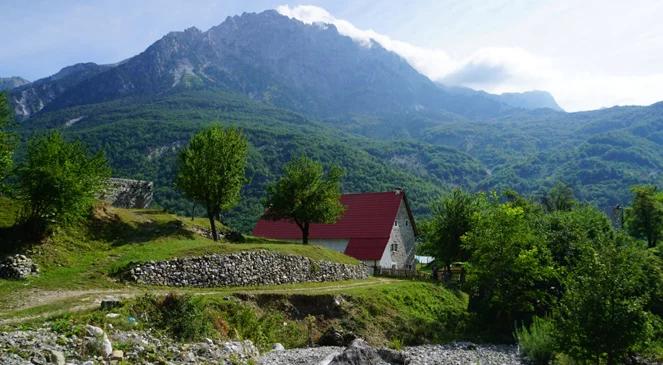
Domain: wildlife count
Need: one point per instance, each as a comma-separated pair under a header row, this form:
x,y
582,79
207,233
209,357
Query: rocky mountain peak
x,y
8,83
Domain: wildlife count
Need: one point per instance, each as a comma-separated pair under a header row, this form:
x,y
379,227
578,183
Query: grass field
x,y
87,255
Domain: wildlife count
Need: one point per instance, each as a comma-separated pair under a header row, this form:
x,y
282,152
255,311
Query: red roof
x,y
366,222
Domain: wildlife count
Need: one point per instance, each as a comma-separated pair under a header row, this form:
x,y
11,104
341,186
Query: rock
x,y
335,337
277,347
112,315
56,357
110,303
358,353
393,357
234,236
243,349
17,267
98,341
117,355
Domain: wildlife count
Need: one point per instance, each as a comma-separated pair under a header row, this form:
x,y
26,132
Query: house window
x,y
394,247
409,266
395,223
405,223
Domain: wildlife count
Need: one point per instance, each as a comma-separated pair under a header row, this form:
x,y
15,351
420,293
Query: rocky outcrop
x,y
360,353
17,267
127,193
240,269
8,83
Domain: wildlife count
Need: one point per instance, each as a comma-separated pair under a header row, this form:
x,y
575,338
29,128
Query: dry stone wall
x,y
241,269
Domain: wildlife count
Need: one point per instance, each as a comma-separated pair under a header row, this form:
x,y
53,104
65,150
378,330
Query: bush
x,y
59,181
602,314
537,342
179,315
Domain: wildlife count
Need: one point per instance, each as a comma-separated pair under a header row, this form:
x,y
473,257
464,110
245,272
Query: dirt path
x,y
62,301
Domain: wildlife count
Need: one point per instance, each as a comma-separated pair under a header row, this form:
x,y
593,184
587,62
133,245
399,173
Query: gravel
x,y
301,356
449,354
41,345
464,353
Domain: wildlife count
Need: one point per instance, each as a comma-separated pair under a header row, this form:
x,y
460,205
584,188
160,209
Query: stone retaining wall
x,y
240,269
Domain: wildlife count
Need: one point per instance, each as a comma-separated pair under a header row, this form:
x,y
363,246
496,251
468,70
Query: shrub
x,y
537,342
59,181
179,315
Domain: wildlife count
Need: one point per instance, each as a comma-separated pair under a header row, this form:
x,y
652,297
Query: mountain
x,y
33,97
8,83
535,99
267,57
296,88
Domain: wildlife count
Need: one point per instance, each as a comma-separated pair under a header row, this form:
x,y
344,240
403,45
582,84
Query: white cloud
x,y
433,63
502,69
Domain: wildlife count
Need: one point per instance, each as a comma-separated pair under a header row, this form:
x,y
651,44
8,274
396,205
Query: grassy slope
x,y
85,257
77,266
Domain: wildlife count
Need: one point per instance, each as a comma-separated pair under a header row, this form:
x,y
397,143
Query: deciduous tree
x,y
510,272
210,170
644,219
602,313
452,218
59,181
305,194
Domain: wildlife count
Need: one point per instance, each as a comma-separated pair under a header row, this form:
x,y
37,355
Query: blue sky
x,y
588,54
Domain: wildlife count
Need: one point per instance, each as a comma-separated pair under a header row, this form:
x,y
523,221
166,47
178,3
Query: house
x,y
376,228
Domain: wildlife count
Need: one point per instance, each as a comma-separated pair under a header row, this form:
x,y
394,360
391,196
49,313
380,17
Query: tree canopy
x,y
644,219
510,268
452,218
59,181
603,309
305,194
211,170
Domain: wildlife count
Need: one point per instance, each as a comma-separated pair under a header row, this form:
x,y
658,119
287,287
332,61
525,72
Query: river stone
x,y
358,353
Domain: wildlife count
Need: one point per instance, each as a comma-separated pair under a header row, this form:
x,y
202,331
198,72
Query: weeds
x,y
537,343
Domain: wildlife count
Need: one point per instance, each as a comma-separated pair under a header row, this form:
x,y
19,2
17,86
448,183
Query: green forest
x,y
599,154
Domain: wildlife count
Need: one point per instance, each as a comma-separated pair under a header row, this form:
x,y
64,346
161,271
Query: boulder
x,y
358,353
394,357
110,303
98,342
278,347
336,337
56,357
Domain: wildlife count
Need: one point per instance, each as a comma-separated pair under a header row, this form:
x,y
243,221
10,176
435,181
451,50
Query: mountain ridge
x,y
268,57
8,83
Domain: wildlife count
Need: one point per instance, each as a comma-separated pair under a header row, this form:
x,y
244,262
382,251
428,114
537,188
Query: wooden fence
x,y
402,273
456,276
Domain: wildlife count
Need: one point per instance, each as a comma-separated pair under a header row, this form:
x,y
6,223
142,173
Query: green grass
x,y
383,311
86,256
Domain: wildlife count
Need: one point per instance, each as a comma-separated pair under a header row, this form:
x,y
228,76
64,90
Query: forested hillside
x,y
141,136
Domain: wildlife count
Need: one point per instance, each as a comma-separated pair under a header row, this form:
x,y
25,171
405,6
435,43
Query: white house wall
x,y
333,244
